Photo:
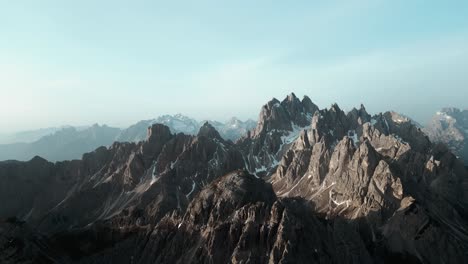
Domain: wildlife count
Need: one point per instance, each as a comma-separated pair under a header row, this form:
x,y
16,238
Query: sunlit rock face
x,y
280,123
380,170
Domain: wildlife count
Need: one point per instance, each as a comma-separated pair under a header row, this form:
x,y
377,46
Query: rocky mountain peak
x,y
291,97
220,199
272,103
358,116
331,124
38,160
363,112
284,115
335,108
272,116
158,132
158,135
207,130
279,125
308,105
297,112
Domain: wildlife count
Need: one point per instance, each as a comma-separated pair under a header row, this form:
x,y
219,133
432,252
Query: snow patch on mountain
x,y
354,136
193,189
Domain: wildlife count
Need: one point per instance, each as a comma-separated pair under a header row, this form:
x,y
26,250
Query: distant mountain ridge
x,y
450,126
65,144
30,136
177,123
233,129
68,143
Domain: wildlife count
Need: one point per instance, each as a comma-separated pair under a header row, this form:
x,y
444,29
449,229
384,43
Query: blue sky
x,y
117,62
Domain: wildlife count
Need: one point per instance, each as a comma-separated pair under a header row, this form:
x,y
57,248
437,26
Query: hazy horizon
x,y
116,62
124,126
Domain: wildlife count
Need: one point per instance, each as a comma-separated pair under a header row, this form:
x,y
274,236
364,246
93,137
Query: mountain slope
x,y
239,219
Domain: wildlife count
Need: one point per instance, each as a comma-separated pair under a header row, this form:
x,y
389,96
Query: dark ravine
x,y
305,186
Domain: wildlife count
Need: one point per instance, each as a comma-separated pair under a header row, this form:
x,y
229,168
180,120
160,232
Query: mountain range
x,y
233,129
65,144
450,126
68,143
306,185
27,136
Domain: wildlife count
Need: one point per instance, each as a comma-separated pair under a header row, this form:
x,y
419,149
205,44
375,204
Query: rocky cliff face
x,y
384,171
305,186
239,219
280,123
